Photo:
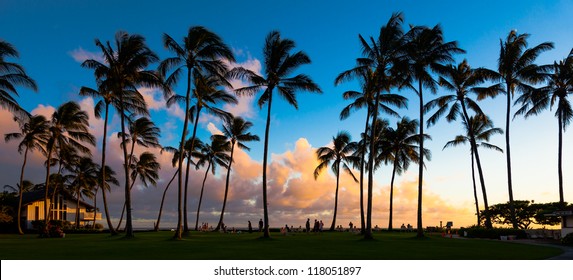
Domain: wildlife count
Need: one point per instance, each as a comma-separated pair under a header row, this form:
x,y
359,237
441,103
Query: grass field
x,y
301,246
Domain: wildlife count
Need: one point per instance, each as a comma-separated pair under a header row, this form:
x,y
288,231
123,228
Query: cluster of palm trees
x,y
397,60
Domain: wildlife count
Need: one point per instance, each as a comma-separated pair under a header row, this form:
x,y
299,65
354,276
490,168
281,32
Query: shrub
x,y
98,226
568,239
494,233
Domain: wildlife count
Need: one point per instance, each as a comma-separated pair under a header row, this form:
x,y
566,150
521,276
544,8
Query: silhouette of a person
x,y
250,227
308,225
261,225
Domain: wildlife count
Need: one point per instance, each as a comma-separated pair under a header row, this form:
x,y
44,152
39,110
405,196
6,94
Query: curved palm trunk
x,y
201,196
475,154
47,184
21,192
336,197
265,155
509,94
178,231
368,230
185,224
559,158
226,188
95,208
156,227
420,229
475,189
186,227
392,193
103,153
128,222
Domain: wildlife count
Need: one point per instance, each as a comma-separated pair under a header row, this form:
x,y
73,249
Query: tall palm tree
x,y
383,56
213,154
516,72
12,75
84,179
480,128
362,99
279,64
401,149
426,50
235,132
202,51
123,72
68,130
462,80
556,93
174,162
340,153
34,135
109,178
133,103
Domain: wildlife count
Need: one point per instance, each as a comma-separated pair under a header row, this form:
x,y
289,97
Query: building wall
x,y
63,209
567,226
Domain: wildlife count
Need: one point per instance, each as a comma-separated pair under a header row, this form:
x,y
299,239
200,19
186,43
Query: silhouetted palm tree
x,y
516,71
235,132
34,135
123,72
401,149
556,93
426,50
279,64
201,53
213,154
480,127
462,80
68,130
134,103
340,153
12,75
174,162
84,179
361,100
109,178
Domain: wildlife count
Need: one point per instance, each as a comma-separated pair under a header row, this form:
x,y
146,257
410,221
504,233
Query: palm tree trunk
x,y
201,196
265,155
509,94
47,184
336,196
368,230
124,205
21,192
78,209
420,229
156,228
363,154
475,190
178,231
559,158
226,188
128,223
104,143
185,224
95,208
191,148
392,192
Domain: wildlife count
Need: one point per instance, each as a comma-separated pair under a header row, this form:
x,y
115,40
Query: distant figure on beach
x,y
261,225
321,225
350,225
403,228
250,227
409,227
308,225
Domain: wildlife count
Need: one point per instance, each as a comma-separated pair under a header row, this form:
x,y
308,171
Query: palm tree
x,y
174,162
480,128
401,150
361,100
68,130
12,75
235,132
340,153
557,91
122,72
109,178
462,80
383,57
213,154
143,132
515,72
426,49
133,103
84,179
202,51
279,63
34,135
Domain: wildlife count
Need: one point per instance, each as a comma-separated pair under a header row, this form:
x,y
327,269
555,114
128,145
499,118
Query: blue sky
x,y
49,34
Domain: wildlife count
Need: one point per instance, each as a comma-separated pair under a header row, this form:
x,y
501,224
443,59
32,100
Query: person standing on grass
x,y
350,225
261,225
308,225
250,227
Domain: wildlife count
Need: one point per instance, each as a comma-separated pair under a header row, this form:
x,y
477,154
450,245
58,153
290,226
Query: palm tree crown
x,y
12,75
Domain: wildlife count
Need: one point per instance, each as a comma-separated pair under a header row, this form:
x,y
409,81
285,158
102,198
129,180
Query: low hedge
x,y
494,233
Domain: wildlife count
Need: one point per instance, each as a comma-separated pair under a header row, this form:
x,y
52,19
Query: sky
x,y
55,37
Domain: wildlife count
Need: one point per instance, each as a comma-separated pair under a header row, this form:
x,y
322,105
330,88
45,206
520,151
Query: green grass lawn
x,y
300,246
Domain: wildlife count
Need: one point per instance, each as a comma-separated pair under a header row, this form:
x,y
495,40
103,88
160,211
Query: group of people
x,y
317,227
205,227
404,228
